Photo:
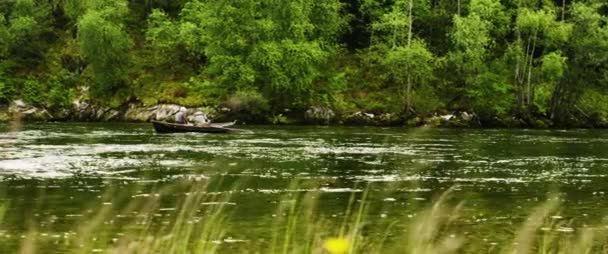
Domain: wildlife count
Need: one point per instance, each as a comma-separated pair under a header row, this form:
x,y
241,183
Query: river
x,y
56,177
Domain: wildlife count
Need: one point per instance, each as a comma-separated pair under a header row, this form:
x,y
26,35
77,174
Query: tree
x,y
537,31
586,58
25,34
474,72
406,59
104,43
409,66
276,47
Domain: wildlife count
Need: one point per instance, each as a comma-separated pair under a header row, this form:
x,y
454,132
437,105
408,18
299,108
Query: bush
x,y
426,101
491,95
593,101
247,105
5,93
250,101
60,89
32,92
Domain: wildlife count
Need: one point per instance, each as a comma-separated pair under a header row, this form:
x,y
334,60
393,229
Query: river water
x,y
54,177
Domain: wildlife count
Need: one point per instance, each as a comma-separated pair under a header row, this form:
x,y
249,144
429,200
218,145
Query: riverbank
x,y
137,112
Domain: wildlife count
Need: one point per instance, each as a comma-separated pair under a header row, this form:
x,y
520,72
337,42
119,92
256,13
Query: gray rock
x,y
388,119
22,110
83,111
18,104
111,115
61,113
360,118
319,115
433,121
466,116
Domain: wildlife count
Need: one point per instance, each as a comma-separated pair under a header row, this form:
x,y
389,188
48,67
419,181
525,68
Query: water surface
x,y
54,176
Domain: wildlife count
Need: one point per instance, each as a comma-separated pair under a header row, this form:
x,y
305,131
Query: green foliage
x,y
279,119
554,65
5,93
491,94
426,101
414,61
60,90
162,34
32,91
276,47
4,37
248,104
24,33
104,44
173,41
418,56
594,101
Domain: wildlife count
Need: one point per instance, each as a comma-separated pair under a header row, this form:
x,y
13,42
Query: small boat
x,y
164,127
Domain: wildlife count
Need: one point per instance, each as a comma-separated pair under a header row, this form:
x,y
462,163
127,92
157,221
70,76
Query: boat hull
x,y
164,127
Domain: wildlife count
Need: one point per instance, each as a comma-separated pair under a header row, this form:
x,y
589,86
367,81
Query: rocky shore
x,y
85,112
316,115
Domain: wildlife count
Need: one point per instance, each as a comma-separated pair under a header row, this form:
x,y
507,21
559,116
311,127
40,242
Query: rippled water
x,y
52,174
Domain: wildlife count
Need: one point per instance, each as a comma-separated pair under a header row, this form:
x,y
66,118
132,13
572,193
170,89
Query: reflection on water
x,y
53,174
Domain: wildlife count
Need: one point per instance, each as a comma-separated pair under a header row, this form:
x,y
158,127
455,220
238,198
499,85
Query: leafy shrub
x,y
60,92
279,119
491,95
593,101
426,101
250,101
32,91
5,93
383,101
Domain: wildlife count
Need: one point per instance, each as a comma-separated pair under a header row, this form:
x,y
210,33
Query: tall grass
x,y
203,216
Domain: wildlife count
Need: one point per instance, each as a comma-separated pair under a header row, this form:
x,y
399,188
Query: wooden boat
x,y
164,127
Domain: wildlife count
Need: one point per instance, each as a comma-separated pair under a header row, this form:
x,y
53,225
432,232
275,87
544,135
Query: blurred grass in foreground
x,y
203,218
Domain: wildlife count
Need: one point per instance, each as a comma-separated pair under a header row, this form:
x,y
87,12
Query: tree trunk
x,y
408,95
411,21
563,9
529,79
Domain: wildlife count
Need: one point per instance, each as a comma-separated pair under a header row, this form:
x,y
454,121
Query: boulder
x,y
319,115
360,118
60,114
414,122
111,115
455,120
83,111
139,114
433,121
389,119
22,110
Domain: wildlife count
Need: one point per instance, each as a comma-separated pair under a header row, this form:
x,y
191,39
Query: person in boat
x,y
180,117
199,119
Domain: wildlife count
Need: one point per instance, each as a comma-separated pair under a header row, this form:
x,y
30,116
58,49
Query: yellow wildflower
x,y
337,245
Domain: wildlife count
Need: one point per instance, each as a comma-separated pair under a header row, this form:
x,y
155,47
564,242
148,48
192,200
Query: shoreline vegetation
x,y
490,63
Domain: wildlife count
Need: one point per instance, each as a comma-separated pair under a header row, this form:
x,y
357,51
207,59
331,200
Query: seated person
x,y
180,117
200,119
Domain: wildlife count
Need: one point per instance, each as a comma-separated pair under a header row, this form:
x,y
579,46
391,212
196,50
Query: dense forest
x,y
528,59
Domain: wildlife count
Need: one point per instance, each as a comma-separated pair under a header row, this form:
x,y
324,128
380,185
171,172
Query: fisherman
x,y
180,117
200,119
